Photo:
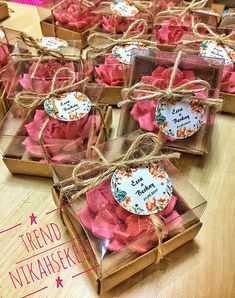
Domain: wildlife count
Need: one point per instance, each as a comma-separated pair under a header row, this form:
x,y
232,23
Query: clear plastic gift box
x,y
135,115
69,20
169,26
126,245
25,128
204,48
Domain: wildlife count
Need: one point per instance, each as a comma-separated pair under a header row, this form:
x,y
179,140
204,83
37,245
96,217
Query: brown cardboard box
x,y
49,29
229,102
26,166
4,13
144,262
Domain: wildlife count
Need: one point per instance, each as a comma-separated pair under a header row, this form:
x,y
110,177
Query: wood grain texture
x,y
203,268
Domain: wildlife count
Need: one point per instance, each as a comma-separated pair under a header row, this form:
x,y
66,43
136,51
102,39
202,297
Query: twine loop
x,y
109,42
128,160
41,51
141,91
182,11
225,39
31,100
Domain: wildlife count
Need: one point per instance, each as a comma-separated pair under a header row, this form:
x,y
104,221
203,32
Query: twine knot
x,y
31,100
141,91
41,51
109,42
182,11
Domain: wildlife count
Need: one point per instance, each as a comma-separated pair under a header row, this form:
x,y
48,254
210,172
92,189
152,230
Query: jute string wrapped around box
x,y
134,157
109,42
170,94
225,39
181,11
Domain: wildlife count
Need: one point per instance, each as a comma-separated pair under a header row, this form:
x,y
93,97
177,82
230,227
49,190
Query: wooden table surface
x,y
202,268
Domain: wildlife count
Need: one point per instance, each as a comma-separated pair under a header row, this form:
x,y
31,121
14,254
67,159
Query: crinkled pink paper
x,y
61,139
110,73
171,30
117,24
74,17
41,83
107,220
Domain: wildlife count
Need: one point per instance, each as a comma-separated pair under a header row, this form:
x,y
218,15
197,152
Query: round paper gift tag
x,y
52,43
123,8
211,49
70,106
179,120
124,53
144,190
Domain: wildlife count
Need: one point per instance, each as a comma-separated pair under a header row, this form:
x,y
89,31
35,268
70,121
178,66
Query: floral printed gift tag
x,y
179,119
124,53
123,8
69,106
52,43
211,49
144,190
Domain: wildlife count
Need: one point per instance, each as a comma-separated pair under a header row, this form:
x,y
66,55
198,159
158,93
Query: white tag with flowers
x,y
124,53
144,190
52,43
211,49
123,8
69,106
179,119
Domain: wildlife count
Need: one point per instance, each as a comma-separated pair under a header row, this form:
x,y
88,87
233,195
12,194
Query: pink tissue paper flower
x,y
117,24
228,79
44,74
171,30
4,54
144,111
72,15
110,73
107,220
61,139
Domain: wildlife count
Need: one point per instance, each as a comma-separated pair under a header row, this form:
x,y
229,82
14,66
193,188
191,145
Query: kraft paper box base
x,y
4,13
144,262
49,29
111,95
27,166
228,103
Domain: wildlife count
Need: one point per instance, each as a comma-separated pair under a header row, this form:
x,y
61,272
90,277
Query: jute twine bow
x,y
109,42
126,161
182,11
225,39
170,94
31,100
41,51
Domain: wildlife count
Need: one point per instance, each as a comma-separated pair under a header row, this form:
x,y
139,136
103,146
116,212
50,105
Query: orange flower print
x,y
154,171
189,132
80,97
151,204
73,116
161,202
61,96
181,132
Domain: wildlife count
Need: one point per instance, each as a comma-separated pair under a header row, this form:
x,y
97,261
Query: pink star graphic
x,y
59,282
33,219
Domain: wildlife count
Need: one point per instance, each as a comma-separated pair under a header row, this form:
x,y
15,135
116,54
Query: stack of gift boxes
x,y
169,68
